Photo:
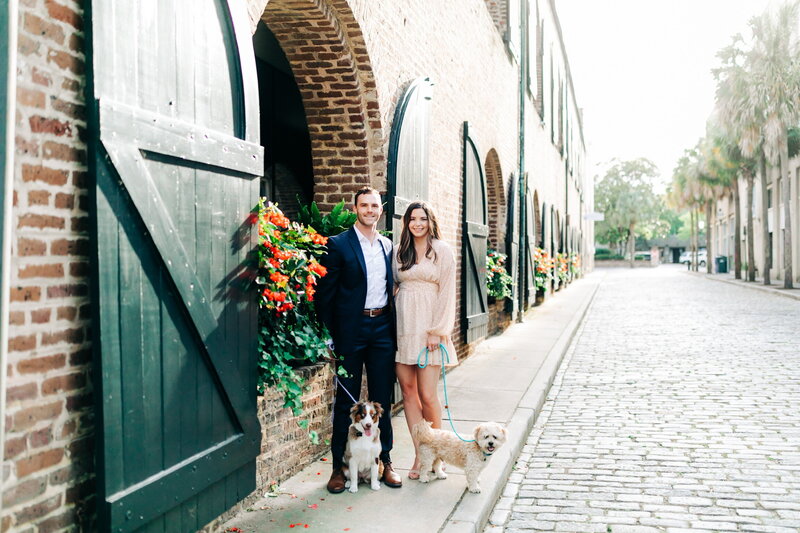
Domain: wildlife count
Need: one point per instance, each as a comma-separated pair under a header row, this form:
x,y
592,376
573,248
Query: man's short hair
x,y
365,190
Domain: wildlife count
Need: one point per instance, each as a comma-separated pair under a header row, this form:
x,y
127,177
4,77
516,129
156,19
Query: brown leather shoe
x,y
336,482
390,477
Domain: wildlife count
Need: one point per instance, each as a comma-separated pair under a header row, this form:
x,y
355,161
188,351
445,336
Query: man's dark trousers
x,y
373,350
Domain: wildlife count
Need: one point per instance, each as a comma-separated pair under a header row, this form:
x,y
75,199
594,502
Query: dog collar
x,y
485,455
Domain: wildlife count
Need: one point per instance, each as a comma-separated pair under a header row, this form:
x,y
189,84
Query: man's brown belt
x,y
376,312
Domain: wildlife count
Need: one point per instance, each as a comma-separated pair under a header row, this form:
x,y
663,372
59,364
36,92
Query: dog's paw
x,y
475,490
375,485
354,489
347,484
424,477
441,474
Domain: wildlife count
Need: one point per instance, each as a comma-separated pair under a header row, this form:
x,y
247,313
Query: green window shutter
x,y
476,233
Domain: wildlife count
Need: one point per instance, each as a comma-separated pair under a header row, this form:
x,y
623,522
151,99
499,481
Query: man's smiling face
x,y
368,209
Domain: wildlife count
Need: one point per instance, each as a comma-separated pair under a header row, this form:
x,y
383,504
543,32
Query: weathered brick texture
x,y
329,60
47,407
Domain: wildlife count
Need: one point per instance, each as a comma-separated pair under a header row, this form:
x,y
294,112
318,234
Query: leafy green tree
x,y
670,222
625,195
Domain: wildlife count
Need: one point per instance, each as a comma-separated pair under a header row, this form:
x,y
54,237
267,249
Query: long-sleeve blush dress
x,y
426,304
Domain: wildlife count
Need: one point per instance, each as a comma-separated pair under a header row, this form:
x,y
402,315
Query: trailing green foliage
x,y
289,335
334,223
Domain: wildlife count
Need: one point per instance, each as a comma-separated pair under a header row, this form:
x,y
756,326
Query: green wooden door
x,y
530,249
407,165
512,242
476,232
176,160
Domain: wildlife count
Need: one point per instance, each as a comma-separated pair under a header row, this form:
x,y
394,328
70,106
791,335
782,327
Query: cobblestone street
x,y
677,408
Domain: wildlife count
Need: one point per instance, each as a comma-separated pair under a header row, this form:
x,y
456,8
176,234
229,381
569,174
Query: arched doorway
x,y
326,53
288,176
497,201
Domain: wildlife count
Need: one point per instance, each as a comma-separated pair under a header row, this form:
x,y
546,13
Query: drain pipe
x,y
522,278
8,28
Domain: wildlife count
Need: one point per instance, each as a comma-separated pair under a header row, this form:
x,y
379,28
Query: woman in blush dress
x,y
425,272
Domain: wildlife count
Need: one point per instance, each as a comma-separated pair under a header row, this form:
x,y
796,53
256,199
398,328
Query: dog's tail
x,y
422,431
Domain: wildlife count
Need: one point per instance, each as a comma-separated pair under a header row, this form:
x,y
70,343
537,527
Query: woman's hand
x,y
433,342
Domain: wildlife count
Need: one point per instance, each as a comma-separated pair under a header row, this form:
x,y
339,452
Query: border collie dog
x,y
361,456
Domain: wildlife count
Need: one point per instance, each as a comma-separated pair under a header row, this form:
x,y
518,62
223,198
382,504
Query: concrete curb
x,y
472,511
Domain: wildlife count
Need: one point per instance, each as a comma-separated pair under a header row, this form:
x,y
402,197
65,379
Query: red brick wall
x,y
330,64
498,9
47,480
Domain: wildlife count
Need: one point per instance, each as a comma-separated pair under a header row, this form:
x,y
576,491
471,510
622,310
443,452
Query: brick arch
x,y
496,198
326,50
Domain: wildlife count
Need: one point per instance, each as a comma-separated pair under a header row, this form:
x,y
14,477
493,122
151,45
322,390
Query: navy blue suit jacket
x,y
341,293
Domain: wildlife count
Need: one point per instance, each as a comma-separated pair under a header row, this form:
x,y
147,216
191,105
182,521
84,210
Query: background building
x,y
723,222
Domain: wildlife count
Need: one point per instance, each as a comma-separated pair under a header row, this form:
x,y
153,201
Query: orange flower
x,y
317,268
316,238
279,278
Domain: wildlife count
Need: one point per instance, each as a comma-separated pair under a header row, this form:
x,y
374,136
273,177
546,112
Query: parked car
x,y
686,257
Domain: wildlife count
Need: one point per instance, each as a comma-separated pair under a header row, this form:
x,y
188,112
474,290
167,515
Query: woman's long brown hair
x,y
406,253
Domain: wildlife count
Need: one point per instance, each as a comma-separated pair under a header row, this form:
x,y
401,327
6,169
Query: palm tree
x,y
775,64
686,193
739,116
726,163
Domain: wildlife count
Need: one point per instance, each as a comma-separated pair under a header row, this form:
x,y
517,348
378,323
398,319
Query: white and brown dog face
x,y
365,417
490,436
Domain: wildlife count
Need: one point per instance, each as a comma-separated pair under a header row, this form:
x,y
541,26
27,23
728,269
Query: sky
x,y
642,72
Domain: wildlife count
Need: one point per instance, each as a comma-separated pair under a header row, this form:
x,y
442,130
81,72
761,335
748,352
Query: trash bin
x,y
722,264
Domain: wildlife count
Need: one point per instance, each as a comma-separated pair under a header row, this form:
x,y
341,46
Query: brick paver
x,y
677,408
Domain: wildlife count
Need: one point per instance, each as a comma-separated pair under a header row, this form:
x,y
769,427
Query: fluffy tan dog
x,y
437,446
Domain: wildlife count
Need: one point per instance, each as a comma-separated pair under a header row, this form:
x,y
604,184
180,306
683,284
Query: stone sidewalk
x,y
506,380
775,287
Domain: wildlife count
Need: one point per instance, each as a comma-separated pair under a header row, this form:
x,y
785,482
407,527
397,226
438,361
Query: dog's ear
x,y
378,409
355,410
477,432
505,431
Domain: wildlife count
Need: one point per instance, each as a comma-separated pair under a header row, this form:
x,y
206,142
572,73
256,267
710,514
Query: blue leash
x,y
339,383
445,358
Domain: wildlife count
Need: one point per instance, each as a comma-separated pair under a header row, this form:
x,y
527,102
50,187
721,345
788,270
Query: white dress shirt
x,y
375,259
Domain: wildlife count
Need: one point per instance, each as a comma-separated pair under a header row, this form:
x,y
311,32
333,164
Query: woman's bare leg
x,y
407,376
427,383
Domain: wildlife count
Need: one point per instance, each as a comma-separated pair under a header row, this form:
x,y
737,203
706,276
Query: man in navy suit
x,y
354,300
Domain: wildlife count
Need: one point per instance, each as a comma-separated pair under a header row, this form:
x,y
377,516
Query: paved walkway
x,y
506,380
677,409
775,287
